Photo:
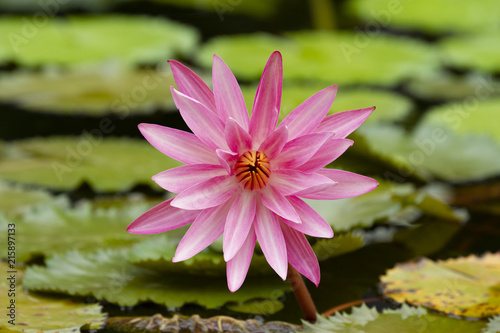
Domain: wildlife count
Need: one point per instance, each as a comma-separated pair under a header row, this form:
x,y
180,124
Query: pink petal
x,y
238,140
238,223
300,254
300,150
210,193
312,223
308,115
227,92
325,155
161,218
271,240
344,123
275,201
288,182
274,143
267,101
349,185
208,226
237,267
179,145
227,160
181,178
191,85
204,123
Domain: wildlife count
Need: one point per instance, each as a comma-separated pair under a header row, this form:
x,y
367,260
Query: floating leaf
x,y
428,236
85,228
403,320
445,86
450,15
390,106
259,9
432,152
94,91
157,254
390,203
259,307
109,164
35,313
110,276
477,52
336,246
493,325
478,117
91,39
218,324
341,58
466,286
15,199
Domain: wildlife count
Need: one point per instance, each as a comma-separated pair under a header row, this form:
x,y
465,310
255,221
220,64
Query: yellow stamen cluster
x,y
253,170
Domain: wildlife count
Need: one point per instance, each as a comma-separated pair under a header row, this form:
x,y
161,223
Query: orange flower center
x,y
253,170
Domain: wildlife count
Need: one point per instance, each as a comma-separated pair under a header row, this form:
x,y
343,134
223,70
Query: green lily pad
x,y
94,91
258,9
432,152
389,203
35,313
109,164
454,15
464,117
477,52
341,58
109,275
403,320
77,40
390,106
157,254
445,86
493,325
16,199
336,246
466,286
39,230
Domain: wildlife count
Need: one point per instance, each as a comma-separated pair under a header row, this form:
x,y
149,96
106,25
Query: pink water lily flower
x,y
245,177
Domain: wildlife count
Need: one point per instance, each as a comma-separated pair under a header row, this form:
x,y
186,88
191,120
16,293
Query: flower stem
x,y
302,294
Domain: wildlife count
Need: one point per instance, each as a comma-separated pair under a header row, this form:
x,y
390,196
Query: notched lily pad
x,y
110,276
466,286
63,163
93,90
35,313
404,320
76,40
341,58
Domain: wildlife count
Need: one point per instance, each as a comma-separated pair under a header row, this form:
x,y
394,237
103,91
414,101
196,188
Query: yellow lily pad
x,y
465,286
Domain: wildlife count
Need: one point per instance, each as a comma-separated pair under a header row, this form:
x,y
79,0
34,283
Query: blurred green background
x,y
76,77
